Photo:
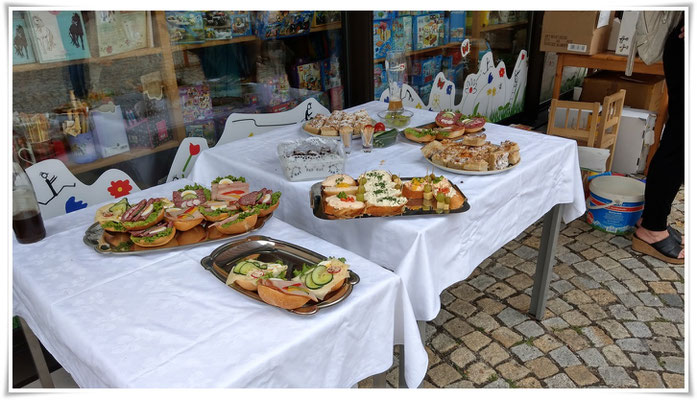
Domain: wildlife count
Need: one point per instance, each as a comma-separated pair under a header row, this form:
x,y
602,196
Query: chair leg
x,y
612,156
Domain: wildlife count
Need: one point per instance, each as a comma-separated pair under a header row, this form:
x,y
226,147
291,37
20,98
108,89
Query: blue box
x,y
425,92
446,31
457,26
401,33
429,30
241,23
382,38
425,70
277,24
384,14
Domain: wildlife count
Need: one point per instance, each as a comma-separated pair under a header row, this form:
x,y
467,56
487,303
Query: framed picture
x,y
22,49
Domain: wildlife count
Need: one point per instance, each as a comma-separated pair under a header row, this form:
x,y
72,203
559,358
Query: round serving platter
x,y
337,137
466,172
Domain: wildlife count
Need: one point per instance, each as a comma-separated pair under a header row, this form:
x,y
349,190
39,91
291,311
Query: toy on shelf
x,y
241,22
277,24
185,27
216,25
382,38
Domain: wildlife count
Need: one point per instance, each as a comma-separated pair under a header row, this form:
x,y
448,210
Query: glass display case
x,y
121,89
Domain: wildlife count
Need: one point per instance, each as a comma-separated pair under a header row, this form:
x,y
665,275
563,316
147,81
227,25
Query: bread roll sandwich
x,y
246,273
154,236
475,139
335,184
323,278
228,188
184,219
450,132
109,216
424,135
216,210
190,195
288,295
144,214
343,205
238,223
263,201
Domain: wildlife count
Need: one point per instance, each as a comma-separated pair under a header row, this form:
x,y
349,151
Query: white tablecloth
x,y
162,320
429,253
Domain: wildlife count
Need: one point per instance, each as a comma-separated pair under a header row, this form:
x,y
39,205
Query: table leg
x,y
556,90
545,262
380,380
37,355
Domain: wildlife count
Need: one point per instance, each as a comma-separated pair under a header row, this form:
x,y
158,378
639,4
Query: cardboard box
x,y
576,32
627,32
429,30
643,91
634,138
614,33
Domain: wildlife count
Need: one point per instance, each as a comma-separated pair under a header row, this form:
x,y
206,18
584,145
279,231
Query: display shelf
x,y
129,155
329,27
134,53
181,47
424,51
497,27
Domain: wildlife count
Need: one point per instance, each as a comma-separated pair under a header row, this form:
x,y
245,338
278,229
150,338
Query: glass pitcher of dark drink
x,y
26,217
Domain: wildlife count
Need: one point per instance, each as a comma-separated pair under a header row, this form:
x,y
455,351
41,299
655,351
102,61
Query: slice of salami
x,y
475,123
249,199
447,118
131,212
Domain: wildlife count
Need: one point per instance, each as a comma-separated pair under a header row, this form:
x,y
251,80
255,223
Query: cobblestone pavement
x,y
614,318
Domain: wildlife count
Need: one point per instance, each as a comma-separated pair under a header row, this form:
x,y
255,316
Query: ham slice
x,y
229,191
226,220
289,287
153,230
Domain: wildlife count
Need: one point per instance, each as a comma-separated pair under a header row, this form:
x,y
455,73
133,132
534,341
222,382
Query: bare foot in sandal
x,y
671,231
659,244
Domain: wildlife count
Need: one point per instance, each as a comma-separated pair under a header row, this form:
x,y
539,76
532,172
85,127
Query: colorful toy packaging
x,y
331,75
379,80
325,17
401,33
384,14
429,30
204,129
457,26
216,25
241,23
277,24
195,102
382,38
425,92
309,76
425,70
185,27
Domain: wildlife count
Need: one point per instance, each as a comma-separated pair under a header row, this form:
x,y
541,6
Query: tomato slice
x,y
379,127
233,192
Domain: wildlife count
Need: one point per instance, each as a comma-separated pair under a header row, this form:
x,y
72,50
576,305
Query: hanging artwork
x,y
491,92
120,31
22,50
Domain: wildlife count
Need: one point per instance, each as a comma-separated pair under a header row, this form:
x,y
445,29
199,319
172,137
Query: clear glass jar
x,y
26,216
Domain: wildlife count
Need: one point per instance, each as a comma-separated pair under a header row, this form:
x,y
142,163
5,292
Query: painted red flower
x,y
120,188
522,56
194,149
502,72
470,90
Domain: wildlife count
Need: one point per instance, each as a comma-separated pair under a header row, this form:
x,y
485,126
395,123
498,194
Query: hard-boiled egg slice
x,y
186,192
147,210
158,230
224,181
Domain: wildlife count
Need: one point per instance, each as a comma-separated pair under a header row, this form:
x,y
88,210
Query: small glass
x,y
346,137
367,138
395,66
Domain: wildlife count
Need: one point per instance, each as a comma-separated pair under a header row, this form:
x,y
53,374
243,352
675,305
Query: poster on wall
x,y
120,31
22,49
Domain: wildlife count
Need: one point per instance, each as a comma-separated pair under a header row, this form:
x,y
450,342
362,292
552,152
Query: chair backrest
x,y
188,152
609,122
574,120
238,126
59,192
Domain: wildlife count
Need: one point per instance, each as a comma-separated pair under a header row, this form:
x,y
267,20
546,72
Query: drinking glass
x,y
346,137
367,138
395,66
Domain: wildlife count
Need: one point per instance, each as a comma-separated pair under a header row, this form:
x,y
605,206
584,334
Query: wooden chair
x,y
588,123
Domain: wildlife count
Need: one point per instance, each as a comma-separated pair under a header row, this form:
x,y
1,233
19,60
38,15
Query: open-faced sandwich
x,y
190,196
471,123
229,188
343,205
144,214
382,193
247,273
421,135
216,210
184,219
479,155
154,236
239,222
263,201
109,216
334,184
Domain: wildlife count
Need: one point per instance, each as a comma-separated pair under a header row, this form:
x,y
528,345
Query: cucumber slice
x,y
307,280
246,267
121,206
236,268
320,276
189,197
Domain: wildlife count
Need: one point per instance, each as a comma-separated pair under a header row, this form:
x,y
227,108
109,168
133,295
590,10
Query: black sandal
x,y
672,232
666,250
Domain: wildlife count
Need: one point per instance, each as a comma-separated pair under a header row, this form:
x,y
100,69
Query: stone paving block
x,y
558,306
555,323
463,384
606,263
632,263
620,312
602,296
564,357
571,231
593,311
578,247
512,245
520,302
446,297
511,370
443,343
622,273
526,253
645,362
589,253
615,329
497,384
644,313
679,287
510,260
490,306
654,262
662,287
559,381
546,343
649,379
476,340
466,292
542,367
584,283
649,299
616,356
462,356
511,317
672,314
673,300
618,254
458,328
600,275
562,286
527,268
482,281
597,336
572,339
528,382
680,271
674,381
568,258
500,271
681,329
483,321
530,329
506,336
681,344
525,352
632,344
604,247
575,318
635,285
616,287
629,300
461,308
564,271
588,238
673,364
533,242
499,253
520,281
494,354
585,266
442,317
645,274
638,329
664,329
581,375
592,357
577,297
500,290
616,377
479,372
429,331
443,374
667,274
620,241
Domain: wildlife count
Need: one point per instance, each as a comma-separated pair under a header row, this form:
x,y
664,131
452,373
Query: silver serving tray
x,y
318,210
94,239
224,258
